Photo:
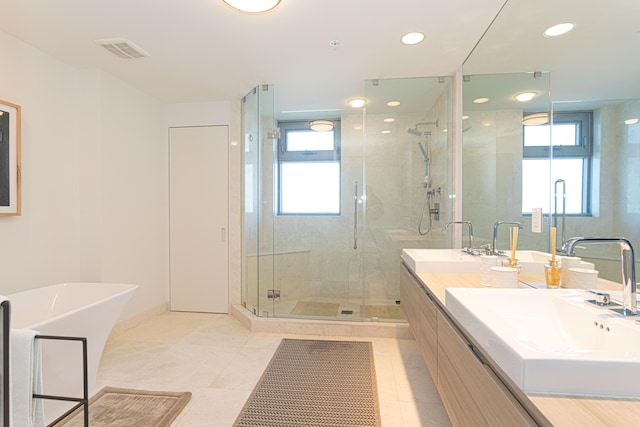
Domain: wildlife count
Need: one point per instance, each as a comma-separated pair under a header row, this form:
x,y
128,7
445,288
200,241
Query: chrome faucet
x,y
469,249
494,250
629,303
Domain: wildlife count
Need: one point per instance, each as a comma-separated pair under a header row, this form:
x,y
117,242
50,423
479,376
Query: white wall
x,y
41,246
95,183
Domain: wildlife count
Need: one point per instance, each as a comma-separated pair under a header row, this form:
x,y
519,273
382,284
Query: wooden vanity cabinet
x,y
422,316
471,392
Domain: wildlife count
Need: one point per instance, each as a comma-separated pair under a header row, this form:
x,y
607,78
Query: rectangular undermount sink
x,y
550,341
457,261
441,261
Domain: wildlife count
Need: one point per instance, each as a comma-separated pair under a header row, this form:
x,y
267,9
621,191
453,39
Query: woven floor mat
x,y
315,383
118,407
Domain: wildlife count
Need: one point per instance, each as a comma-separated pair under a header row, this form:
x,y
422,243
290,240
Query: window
x,y
571,159
308,170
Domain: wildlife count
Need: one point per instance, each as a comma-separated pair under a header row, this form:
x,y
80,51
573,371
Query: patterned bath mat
x,y
310,308
118,407
315,383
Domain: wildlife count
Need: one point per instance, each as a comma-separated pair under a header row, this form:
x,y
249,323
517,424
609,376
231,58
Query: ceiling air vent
x,y
122,48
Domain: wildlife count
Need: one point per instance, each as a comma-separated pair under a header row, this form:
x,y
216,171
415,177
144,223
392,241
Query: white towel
x,y
26,379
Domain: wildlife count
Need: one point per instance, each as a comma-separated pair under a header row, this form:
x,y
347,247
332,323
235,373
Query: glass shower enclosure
x,y
396,191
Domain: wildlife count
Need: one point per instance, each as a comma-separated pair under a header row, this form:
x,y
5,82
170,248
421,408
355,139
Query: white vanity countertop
x,y
560,410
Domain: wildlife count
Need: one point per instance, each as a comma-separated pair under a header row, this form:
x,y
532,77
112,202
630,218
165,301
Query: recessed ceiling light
x,y
412,38
357,102
480,100
631,121
252,6
525,96
559,29
386,131
389,120
393,103
465,117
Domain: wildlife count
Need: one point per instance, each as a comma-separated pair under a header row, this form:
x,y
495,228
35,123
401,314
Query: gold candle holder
x,y
513,263
552,274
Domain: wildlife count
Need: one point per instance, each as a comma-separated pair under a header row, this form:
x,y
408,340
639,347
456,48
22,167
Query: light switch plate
x,y
536,220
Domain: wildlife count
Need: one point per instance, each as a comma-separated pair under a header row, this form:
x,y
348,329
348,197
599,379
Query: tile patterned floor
x,y
220,361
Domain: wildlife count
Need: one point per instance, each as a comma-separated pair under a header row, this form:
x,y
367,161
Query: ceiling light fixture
x,y
389,120
525,96
631,121
535,119
412,38
386,131
252,6
559,29
357,102
480,100
393,103
321,125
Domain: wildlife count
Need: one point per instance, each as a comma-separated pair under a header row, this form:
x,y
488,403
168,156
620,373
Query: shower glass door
x,y
342,262
257,240
408,182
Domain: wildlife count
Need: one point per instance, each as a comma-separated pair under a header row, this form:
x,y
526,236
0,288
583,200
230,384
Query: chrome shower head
x,y
414,131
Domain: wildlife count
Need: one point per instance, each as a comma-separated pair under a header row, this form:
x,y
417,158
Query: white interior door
x,y
198,218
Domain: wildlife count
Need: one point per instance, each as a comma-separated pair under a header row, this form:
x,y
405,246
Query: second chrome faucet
x,y
494,246
469,249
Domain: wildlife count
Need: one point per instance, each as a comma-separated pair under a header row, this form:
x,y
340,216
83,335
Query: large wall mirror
x,y
571,145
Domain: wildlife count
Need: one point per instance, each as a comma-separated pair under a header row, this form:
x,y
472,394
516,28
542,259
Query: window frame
x,y
311,156
583,149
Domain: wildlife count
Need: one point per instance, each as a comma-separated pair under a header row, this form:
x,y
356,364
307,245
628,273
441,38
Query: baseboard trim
x,y
125,325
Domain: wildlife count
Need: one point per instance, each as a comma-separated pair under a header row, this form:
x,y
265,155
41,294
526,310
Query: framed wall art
x,y
10,182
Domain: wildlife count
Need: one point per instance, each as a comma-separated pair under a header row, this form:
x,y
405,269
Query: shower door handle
x,y
355,215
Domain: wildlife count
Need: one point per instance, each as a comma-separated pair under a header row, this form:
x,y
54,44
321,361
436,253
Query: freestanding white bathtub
x,y
87,310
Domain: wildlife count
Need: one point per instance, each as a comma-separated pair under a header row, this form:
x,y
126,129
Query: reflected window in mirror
x,y
568,142
308,169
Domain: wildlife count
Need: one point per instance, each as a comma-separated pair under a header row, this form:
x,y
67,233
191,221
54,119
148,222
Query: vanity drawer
x,y
470,391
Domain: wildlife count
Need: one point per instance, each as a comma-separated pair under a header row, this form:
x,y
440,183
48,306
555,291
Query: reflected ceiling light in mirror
x,y
386,131
321,125
525,96
357,102
631,121
559,29
389,120
252,6
480,100
535,119
393,103
465,117
412,38
486,123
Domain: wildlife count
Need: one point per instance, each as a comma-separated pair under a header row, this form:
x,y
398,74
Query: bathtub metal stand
x,y
81,401
5,340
